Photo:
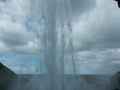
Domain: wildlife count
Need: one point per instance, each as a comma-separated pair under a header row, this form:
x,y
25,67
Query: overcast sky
x,y
95,30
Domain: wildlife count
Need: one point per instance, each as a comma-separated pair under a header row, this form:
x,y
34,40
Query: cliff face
x,y
7,77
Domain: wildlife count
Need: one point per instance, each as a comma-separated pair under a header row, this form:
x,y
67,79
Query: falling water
x,y
56,41
52,23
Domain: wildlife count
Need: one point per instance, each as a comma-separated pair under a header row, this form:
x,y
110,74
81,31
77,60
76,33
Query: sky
x,y
96,36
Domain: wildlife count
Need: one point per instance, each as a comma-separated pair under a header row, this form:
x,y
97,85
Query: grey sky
x,y
96,37
95,33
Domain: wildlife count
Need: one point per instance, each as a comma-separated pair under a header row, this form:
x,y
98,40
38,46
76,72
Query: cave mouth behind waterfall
x,y
50,22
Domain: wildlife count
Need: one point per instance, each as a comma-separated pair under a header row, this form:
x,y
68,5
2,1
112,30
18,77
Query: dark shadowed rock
x,y
116,81
118,1
7,77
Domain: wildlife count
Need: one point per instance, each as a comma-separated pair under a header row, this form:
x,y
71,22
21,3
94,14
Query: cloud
x,y
99,28
97,62
97,39
15,36
15,31
95,28
17,8
81,6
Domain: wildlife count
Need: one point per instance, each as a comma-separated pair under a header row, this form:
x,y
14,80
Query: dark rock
x,y
7,77
116,81
118,1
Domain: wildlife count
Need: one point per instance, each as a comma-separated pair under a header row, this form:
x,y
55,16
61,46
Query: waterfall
x,y
56,41
51,21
